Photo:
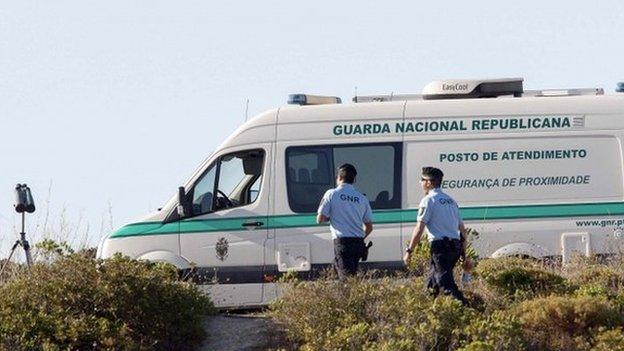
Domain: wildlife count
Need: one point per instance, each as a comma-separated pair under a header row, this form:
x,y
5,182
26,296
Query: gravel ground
x,y
242,332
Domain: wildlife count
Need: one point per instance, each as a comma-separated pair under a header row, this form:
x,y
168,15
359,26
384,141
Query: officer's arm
x,y
367,219
462,233
324,210
416,234
321,218
368,228
423,216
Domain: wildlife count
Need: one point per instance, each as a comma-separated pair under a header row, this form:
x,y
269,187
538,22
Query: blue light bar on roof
x,y
620,87
306,99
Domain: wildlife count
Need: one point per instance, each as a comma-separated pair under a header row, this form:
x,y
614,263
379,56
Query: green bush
x,y
489,267
11,270
323,314
431,324
520,277
599,276
498,331
565,323
420,259
49,250
366,314
591,291
478,346
78,303
515,304
609,340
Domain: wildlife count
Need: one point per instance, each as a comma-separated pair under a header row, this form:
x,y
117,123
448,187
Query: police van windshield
x,y
232,181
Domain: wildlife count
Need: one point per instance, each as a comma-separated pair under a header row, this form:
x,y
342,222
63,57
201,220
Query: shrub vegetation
x,y
516,277
74,302
515,304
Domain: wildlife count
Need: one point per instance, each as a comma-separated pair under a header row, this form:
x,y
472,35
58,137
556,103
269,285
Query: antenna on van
x,y
246,110
355,95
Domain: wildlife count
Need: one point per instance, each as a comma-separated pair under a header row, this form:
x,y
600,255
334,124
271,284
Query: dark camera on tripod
x,y
23,199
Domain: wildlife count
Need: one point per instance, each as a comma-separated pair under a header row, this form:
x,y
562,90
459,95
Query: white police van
x,y
536,173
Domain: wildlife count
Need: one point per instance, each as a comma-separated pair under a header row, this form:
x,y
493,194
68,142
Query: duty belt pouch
x,y
365,251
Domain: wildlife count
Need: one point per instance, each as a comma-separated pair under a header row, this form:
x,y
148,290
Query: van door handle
x,y
253,224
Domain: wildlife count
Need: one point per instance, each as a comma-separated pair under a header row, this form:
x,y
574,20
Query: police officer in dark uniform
x,y
439,213
350,220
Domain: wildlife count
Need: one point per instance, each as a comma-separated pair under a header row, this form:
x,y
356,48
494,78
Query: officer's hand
x,y
406,258
467,265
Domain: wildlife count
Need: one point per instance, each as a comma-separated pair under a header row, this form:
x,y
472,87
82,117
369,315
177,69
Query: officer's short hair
x,y
435,174
347,172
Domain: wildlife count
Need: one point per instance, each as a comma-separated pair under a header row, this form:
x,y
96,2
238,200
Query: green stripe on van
x,y
380,217
542,211
145,228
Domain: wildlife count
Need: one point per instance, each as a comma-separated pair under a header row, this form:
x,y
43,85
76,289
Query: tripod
x,y
20,242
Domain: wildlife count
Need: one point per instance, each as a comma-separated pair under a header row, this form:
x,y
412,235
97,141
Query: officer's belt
x,y
446,238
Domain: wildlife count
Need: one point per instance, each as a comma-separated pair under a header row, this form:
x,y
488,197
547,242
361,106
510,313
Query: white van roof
x,y
314,112
477,88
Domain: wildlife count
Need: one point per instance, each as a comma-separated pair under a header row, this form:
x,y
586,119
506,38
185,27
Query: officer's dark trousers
x,y
348,252
444,256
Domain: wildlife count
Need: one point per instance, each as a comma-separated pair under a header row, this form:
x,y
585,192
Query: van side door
x,y
225,236
308,172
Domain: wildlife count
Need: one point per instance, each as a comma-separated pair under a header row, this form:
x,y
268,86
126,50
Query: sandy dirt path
x,y
242,332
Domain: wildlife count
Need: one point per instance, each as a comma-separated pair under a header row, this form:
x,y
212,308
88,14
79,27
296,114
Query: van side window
x,y
310,171
378,168
309,175
203,191
254,190
234,182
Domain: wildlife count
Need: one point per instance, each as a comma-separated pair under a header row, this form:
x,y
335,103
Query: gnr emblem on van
x,y
222,249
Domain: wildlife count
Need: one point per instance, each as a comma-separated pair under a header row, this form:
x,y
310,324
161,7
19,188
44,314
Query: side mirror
x,y
184,210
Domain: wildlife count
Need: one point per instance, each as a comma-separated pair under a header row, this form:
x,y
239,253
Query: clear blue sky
x,y
111,105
